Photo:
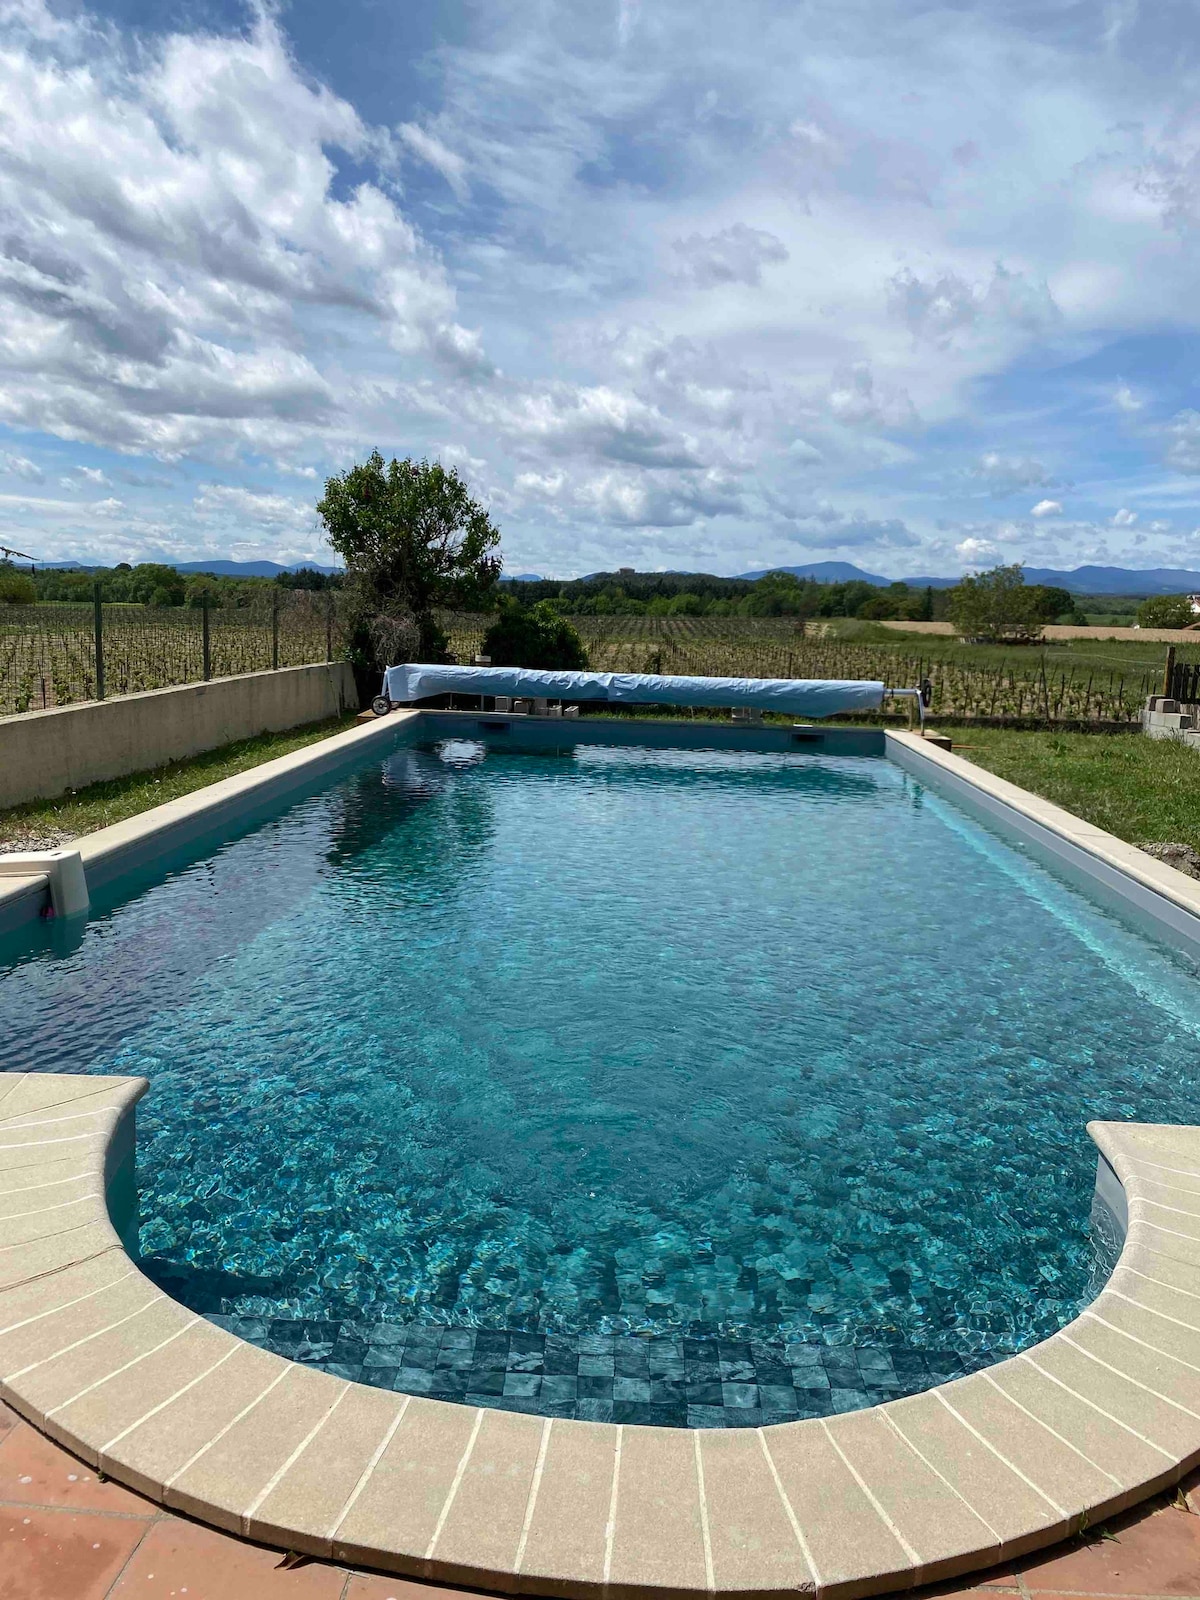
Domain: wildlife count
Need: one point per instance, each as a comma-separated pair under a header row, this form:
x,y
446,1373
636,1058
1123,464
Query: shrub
x,y
534,636
1166,611
16,588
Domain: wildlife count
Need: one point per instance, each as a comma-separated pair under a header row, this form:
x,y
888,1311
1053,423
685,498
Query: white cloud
x,y
1183,451
429,149
1007,474
1047,508
1124,518
737,254
21,467
973,551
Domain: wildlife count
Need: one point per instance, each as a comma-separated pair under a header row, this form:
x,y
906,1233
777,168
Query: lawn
x,y
47,822
1146,791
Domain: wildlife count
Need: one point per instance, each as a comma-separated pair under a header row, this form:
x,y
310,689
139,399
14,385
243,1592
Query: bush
x,y
1166,611
16,588
534,636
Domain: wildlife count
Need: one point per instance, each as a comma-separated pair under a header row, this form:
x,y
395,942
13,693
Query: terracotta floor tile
x,y
1150,1554
176,1556
8,1419
35,1471
365,1587
62,1555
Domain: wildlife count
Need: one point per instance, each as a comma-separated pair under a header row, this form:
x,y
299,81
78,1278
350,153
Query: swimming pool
x,y
659,1085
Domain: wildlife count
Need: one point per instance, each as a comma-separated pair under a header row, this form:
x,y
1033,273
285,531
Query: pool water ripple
x,y
775,1051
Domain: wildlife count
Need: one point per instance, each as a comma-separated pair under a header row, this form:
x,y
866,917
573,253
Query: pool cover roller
x,y
807,697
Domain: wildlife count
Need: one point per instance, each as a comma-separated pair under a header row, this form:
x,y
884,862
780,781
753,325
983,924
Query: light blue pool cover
x,y
808,697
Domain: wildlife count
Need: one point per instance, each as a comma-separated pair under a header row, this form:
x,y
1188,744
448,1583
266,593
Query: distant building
x,y
1194,602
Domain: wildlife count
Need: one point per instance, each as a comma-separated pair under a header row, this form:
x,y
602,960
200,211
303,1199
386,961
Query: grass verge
x,y
46,822
1146,791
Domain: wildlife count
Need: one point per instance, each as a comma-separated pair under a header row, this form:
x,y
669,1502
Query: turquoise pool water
x,y
781,1049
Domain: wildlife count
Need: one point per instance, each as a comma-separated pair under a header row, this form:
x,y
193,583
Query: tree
x,y
412,539
1166,611
16,588
201,589
996,605
1050,602
533,636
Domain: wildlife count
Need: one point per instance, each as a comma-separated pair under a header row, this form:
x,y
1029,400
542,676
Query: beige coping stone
x,y
1113,1339
1157,1266
479,1536
1157,1331
302,1508
1077,1419
64,1320
1157,1297
1012,1510
34,1222
755,1543
34,1196
230,1471
40,1091
109,1407
852,1548
1047,1463
41,1177
658,1537
393,1520
42,1296
1146,1413
63,1376
566,1534
20,1262
162,1442
931,1511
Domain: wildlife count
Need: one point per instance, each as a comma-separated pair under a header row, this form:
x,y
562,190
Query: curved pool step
x,y
976,1471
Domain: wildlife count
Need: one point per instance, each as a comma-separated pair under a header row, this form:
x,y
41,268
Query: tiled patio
x,y
65,1535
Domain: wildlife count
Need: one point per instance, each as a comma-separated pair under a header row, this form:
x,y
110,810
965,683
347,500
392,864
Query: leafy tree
x,y
203,588
1051,602
1166,611
533,636
996,605
16,588
412,539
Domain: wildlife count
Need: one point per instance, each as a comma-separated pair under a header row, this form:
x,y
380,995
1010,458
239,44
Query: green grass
x,y
100,804
1146,791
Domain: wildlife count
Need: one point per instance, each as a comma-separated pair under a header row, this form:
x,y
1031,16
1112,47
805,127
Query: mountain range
x,y
1136,583
1081,580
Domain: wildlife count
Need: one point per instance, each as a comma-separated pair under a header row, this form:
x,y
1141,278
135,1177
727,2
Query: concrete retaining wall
x,y
45,753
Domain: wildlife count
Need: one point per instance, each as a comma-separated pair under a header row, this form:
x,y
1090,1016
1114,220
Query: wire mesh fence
x,y
966,681
49,657
58,655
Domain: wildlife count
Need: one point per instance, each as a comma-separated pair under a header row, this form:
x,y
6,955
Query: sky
x,y
673,284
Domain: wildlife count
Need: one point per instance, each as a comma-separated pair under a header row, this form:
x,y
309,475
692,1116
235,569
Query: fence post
x,y
328,625
205,639
1169,673
275,631
98,623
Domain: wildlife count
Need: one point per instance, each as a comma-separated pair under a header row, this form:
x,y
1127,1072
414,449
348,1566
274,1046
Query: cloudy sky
x,y
674,284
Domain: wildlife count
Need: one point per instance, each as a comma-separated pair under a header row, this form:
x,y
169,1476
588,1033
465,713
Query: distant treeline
x,y
630,594
778,594
154,584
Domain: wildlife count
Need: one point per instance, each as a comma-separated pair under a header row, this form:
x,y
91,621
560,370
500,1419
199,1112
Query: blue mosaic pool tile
x,y
672,1381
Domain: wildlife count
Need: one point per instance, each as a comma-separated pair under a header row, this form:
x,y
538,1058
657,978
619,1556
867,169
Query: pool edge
x,y
977,1471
